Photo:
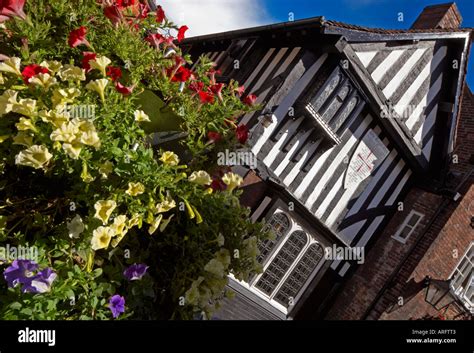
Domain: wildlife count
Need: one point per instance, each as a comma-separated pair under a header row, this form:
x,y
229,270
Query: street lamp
x,y
438,293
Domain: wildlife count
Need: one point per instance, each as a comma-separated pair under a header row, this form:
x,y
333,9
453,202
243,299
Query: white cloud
x,y
213,16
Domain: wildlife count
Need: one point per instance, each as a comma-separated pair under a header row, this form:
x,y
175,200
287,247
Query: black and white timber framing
x,y
350,119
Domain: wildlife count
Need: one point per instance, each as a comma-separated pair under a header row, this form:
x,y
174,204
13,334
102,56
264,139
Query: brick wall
x,y
402,267
438,16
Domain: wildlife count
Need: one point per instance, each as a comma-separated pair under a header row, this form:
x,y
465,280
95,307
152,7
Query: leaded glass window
x,y
300,274
279,224
282,262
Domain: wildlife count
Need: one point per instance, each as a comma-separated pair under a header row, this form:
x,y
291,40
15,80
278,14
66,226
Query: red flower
x,y
218,185
206,97
181,31
11,8
242,133
123,89
113,13
114,72
125,3
86,57
196,86
156,39
250,99
240,90
143,10
32,70
214,136
160,14
217,88
78,37
133,25
181,75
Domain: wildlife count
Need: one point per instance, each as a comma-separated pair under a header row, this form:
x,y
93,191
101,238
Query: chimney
x,y
438,16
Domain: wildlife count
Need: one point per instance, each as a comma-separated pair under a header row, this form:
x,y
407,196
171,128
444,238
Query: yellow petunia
x,y
201,177
7,101
54,117
72,149
99,87
136,220
52,65
11,65
66,95
170,158
25,124
120,225
165,205
156,223
65,133
25,107
72,73
141,116
135,189
43,80
23,138
100,63
35,156
232,180
90,138
101,238
105,169
103,209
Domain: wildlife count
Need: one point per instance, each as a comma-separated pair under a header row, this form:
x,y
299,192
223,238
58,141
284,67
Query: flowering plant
x,y
122,228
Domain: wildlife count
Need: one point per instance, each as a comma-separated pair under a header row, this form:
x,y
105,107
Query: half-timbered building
x,y
352,120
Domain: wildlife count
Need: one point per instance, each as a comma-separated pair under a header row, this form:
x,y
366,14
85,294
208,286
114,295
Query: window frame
x,y
294,226
460,291
397,236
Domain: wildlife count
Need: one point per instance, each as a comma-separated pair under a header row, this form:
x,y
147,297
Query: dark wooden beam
x,y
396,130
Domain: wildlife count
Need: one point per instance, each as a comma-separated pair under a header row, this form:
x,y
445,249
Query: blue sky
x,y
212,16
370,13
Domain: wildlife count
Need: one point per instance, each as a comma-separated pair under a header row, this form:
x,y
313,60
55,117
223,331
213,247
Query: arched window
x,y
279,224
300,274
282,262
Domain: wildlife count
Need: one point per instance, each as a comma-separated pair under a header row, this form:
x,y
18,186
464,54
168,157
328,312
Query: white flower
x,y
11,65
75,227
101,238
34,156
7,101
99,87
65,133
90,138
215,267
72,149
25,107
156,223
72,73
201,177
100,63
232,180
140,116
103,209
43,80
